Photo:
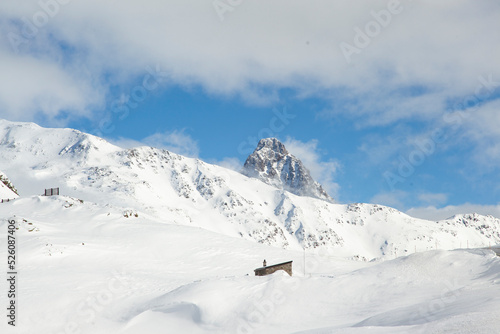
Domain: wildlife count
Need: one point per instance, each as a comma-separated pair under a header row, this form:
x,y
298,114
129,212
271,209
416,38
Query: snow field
x,y
139,274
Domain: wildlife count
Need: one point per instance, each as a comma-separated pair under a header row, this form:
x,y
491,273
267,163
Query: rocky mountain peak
x,y
273,145
274,165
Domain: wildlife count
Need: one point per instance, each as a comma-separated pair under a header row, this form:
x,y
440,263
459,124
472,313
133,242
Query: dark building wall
x,y
287,267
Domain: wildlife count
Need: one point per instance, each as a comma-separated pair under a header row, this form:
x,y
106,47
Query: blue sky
x,y
391,102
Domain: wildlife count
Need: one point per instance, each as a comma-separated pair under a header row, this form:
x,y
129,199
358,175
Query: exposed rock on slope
x,y
7,189
274,165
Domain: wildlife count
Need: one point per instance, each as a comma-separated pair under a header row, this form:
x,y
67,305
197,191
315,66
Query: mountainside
x,y
103,271
274,165
174,189
7,189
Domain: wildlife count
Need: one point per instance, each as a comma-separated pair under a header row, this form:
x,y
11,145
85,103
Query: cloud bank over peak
x,y
406,57
177,141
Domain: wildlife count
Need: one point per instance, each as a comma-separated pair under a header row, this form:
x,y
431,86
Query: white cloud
x,y
31,87
176,141
322,171
408,69
435,199
230,163
379,148
394,199
125,142
433,213
482,127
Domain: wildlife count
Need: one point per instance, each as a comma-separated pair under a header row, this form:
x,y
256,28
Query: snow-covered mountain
x,y
274,165
144,240
151,182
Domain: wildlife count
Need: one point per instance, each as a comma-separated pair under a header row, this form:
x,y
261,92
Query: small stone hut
x,y
51,192
267,270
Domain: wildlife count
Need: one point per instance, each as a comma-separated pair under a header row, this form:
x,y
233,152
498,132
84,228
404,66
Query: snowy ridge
x,y
186,191
43,144
274,165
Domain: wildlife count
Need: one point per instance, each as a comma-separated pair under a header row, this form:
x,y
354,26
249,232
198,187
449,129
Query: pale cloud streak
x,y
229,163
433,213
322,171
394,199
30,87
430,198
176,141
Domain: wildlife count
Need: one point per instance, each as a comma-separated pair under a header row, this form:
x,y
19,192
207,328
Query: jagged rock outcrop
x,y
274,165
7,189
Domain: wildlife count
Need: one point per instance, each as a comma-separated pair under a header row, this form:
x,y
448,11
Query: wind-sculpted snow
x,y
186,191
108,269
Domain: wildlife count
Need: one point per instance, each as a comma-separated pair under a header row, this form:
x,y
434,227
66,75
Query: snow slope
x,y
93,268
190,192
